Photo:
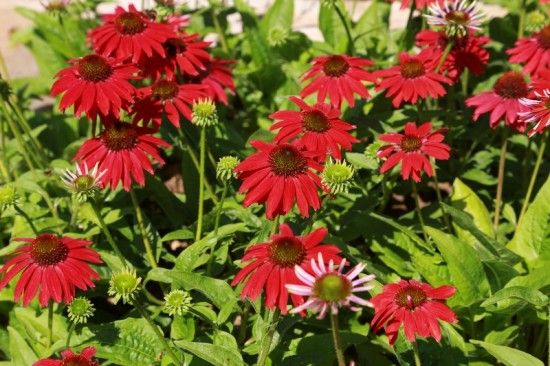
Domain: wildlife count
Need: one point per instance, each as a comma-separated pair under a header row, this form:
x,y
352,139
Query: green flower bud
x,y
80,310
124,285
535,20
277,36
337,176
85,184
204,113
8,196
177,302
225,169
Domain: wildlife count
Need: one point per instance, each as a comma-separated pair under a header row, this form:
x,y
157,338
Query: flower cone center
x,y
119,137
332,287
129,24
410,143
84,182
315,121
165,89
511,85
410,297
335,66
544,37
94,68
287,251
411,69
286,160
457,17
48,249
174,46
75,360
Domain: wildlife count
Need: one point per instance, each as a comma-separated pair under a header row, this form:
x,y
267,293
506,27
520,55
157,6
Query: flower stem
x,y
416,354
141,226
351,46
50,323
216,226
440,199
219,30
19,138
202,158
71,330
267,339
337,340
155,329
407,26
500,183
533,179
418,211
521,24
27,218
244,322
444,55
105,229
27,130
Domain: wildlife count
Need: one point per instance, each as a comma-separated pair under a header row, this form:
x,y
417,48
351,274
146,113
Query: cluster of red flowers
x,y
129,47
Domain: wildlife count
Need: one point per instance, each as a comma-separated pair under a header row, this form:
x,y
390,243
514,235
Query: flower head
x,y
318,128
277,36
216,77
413,79
337,77
280,175
80,310
8,196
177,302
122,149
503,101
204,113
124,285
84,183
419,4
532,52
225,168
535,21
69,358
95,85
458,17
328,287
415,305
413,148
51,266
537,111
271,265
337,176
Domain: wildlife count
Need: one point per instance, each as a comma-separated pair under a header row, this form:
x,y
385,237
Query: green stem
x,y
216,226
407,26
219,30
141,226
156,329
28,131
500,182
27,218
521,24
50,324
465,79
267,339
3,68
105,229
337,340
416,354
548,335
5,165
71,330
418,211
351,46
444,55
202,157
244,323
440,199
15,131
533,179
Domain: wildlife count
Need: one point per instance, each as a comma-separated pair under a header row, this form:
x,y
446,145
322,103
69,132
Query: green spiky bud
x,y
124,285
80,310
8,196
225,169
535,20
277,36
204,113
177,302
337,176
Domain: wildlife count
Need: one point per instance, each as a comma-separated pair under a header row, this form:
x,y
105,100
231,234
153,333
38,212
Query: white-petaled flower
x,y
329,288
537,111
84,183
458,17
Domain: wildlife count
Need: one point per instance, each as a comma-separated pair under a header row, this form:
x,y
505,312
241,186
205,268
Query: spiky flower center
x,y
129,24
511,85
287,251
165,89
410,297
80,309
410,143
332,287
315,121
335,66
84,183
457,17
119,137
94,68
412,68
286,160
544,37
48,249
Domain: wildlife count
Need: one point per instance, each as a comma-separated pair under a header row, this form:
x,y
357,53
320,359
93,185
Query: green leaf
x,y
526,294
465,268
280,14
214,354
533,226
333,28
181,234
21,353
372,28
463,198
509,356
361,161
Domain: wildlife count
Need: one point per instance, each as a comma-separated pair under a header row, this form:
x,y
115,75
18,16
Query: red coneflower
x,y
53,265
166,96
502,101
532,52
537,111
130,34
339,77
467,53
185,52
279,175
271,265
419,4
95,84
417,306
216,77
122,150
414,78
319,127
69,358
413,148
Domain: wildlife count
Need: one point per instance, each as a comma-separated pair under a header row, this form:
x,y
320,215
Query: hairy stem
x,y
202,161
416,354
351,46
105,229
418,211
216,226
500,182
143,231
69,335
50,324
27,218
534,175
267,339
444,55
337,340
